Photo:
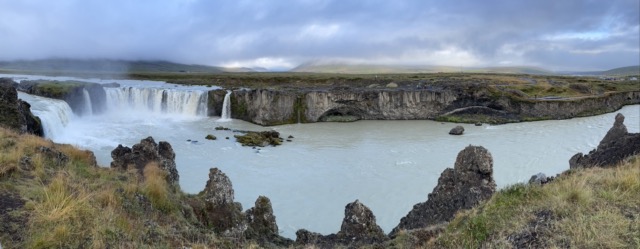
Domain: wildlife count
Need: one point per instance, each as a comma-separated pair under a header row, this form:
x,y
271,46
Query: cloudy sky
x,y
280,34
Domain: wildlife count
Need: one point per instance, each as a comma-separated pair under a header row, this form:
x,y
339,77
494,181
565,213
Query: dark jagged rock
x,y
458,130
210,137
15,113
619,130
218,190
358,228
305,237
261,221
467,184
359,225
145,152
616,146
214,207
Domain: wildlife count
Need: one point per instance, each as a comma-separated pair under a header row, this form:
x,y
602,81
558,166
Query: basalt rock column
x,y
467,184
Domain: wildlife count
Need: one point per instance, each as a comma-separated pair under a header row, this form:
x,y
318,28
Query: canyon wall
x,y
459,103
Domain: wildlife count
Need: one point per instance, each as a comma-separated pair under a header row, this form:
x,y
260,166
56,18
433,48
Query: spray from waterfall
x,y
226,108
86,98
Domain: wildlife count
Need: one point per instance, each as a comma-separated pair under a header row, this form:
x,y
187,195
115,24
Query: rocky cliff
x,y
453,102
71,92
16,113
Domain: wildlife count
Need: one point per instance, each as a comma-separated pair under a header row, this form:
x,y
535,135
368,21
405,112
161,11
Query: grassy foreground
x,y
48,200
590,208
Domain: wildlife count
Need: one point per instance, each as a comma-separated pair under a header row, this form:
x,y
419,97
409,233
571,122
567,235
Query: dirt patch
x,y
11,220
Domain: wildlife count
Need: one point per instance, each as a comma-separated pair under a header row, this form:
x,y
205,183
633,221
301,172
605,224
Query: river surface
x,y
388,165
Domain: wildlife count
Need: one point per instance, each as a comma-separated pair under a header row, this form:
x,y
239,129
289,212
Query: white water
x,y
54,114
388,165
157,100
88,109
226,108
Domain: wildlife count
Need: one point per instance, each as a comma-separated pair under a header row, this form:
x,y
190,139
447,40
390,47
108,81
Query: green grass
x,y
587,209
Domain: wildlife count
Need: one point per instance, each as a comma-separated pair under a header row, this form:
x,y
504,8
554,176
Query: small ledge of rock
x,y
458,130
540,179
145,152
210,137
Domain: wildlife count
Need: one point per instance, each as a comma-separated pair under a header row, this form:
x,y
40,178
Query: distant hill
x,y
109,66
314,67
631,70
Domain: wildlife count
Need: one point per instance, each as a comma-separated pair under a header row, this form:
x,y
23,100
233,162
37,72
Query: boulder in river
x,y
458,130
463,187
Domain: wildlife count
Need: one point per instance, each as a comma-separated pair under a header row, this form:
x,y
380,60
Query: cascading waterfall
x,y
54,114
86,98
156,100
226,108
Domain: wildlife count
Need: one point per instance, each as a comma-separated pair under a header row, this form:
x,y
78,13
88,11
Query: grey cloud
x,y
219,32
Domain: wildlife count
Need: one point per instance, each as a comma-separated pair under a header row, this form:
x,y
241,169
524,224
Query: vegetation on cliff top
x,y
56,89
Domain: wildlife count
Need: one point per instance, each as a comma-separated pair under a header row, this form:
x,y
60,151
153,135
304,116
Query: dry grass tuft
x,y
156,187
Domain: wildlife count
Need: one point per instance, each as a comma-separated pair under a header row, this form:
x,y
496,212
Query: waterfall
x,y
86,98
53,113
226,108
157,100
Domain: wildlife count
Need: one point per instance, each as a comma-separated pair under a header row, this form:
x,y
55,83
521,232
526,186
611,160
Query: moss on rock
x,y
261,139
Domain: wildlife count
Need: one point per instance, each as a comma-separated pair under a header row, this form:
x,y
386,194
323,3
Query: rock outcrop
x,y
215,208
358,228
16,113
458,130
616,146
261,220
145,152
463,187
359,225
